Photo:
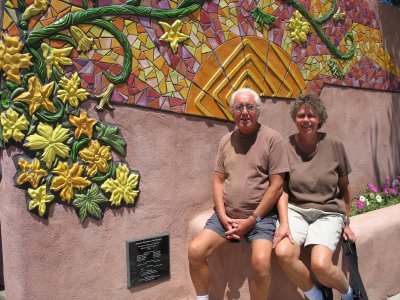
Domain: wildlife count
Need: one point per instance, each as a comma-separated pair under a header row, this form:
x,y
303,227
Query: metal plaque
x,y
147,259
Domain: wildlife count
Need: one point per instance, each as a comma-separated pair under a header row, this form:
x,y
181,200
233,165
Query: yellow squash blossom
x,y
123,187
96,157
39,198
30,172
84,42
83,124
55,57
105,98
172,34
35,8
11,60
37,96
68,180
299,28
51,140
13,125
71,91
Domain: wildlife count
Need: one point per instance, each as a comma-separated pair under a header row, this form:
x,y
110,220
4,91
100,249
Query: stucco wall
x,y
62,259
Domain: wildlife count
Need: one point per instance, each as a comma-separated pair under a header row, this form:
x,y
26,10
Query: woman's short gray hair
x,y
256,97
309,101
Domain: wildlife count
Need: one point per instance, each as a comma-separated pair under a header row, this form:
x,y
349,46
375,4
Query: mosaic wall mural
x,y
183,56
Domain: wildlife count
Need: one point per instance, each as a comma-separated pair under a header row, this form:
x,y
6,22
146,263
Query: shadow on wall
x,y
394,119
393,114
388,16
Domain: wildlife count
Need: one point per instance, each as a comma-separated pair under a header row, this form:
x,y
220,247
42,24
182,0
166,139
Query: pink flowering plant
x,y
375,198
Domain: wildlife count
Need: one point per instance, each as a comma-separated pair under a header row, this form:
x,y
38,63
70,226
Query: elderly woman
x,y
314,209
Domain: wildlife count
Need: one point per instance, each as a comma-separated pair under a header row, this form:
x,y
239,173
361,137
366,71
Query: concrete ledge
x,y
378,241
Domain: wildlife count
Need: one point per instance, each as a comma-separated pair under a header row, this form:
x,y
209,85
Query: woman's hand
x,y
348,234
282,232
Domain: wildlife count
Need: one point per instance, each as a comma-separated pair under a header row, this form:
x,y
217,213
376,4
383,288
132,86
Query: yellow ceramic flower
x,y
83,124
13,125
68,180
37,96
299,28
172,34
122,187
11,60
51,140
71,91
55,57
84,42
39,198
96,157
35,8
30,172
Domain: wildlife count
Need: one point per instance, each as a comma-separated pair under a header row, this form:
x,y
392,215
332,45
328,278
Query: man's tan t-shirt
x,y
314,178
247,161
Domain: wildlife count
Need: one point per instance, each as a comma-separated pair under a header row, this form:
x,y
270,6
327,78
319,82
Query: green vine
x,y
348,36
328,15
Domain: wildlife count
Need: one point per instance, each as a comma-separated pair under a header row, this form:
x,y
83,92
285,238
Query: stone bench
x,y
378,244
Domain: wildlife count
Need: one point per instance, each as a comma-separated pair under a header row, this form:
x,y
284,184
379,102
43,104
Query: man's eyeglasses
x,y
249,107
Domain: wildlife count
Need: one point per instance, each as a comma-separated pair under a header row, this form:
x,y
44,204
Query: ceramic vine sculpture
x,y
67,154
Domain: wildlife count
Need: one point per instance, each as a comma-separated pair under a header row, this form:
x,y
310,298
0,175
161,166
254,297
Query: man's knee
x,y
203,246
261,266
196,251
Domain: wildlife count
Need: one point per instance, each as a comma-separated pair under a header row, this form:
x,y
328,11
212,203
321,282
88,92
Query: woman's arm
x,y
284,229
344,187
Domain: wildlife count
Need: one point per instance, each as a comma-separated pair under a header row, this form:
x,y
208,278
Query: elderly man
x,y
249,171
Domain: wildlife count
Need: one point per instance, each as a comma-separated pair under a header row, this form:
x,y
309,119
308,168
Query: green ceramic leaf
x,y
88,204
261,17
110,136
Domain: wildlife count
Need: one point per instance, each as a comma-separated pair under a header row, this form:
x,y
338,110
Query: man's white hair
x,y
249,91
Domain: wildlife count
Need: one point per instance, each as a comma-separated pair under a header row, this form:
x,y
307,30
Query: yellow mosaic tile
x,y
103,52
149,72
149,43
59,6
76,9
162,87
96,31
115,43
132,29
108,59
184,92
205,49
170,87
7,21
143,38
136,45
173,4
9,4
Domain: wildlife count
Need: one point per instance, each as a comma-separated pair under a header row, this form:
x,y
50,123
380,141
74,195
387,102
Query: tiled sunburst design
x,y
225,49
252,62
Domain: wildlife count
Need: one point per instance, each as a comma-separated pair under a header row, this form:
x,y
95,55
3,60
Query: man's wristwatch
x,y
257,218
347,221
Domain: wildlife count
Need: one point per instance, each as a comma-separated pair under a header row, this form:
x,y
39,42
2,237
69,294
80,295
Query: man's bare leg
x,y
261,269
199,251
